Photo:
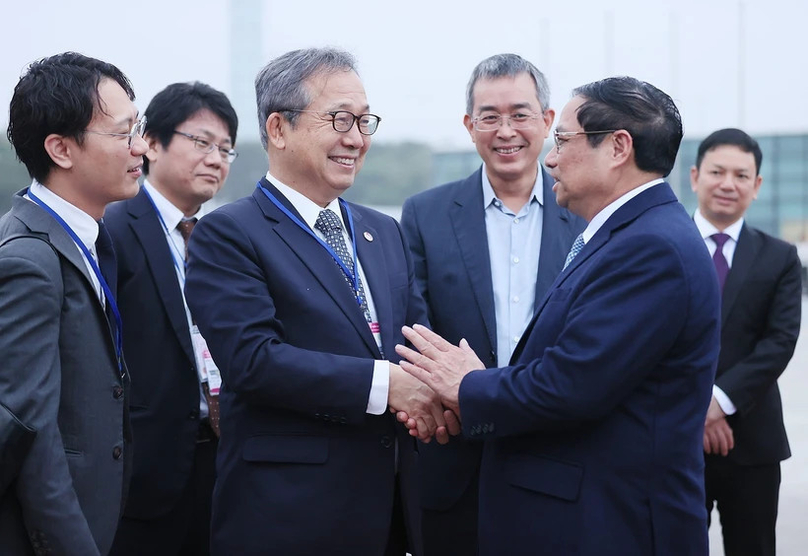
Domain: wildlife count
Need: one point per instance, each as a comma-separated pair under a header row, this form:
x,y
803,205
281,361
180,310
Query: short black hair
x,y
57,94
647,113
180,101
734,137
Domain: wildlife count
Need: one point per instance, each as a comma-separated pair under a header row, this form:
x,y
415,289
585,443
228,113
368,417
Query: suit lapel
x,y
746,251
554,245
467,216
153,241
374,265
316,259
656,195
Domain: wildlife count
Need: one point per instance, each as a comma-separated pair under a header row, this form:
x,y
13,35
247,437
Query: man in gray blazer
x,y
73,124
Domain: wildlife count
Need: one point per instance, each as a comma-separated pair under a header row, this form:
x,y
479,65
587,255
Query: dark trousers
x,y
185,529
746,497
397,544
453,531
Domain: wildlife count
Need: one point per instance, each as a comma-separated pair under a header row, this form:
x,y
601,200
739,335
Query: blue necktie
x,y
577,245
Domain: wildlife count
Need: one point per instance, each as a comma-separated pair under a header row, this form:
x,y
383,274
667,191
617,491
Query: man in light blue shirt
x,y
486,248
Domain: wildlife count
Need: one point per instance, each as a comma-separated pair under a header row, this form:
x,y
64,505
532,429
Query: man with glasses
x,y
74,126
486,248
301,297
191,132
593,432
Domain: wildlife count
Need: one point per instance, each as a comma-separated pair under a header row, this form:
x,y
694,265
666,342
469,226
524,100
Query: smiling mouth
x,y
343,161
507,150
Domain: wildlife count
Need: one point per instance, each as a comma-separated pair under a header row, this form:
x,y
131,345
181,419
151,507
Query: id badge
x,y
205,366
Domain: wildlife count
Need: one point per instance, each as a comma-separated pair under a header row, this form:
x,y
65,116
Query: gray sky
x,y
725,63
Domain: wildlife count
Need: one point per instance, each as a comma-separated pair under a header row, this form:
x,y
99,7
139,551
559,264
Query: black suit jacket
x,y
760,323
445,227
157,345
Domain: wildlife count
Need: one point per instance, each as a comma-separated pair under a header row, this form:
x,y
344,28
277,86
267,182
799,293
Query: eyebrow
x,y
346,105
515,106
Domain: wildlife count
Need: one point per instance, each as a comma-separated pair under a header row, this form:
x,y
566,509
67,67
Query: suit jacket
x,y
445,228
594,433
60,376
165,387
301,468
760,324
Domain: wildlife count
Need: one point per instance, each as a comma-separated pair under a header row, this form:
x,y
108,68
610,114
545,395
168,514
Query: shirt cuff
x,y
723,400
377,401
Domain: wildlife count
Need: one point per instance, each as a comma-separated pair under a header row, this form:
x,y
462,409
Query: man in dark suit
x,y
74,126
191,132
301,297
486,248
594,431
744,437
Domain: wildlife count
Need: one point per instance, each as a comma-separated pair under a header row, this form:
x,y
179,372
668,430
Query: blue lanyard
x,y
175,253
352,276
107,292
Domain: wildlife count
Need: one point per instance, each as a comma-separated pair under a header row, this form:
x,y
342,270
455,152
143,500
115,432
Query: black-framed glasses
x,y
560,137
492,122
343,121
136,131
203,145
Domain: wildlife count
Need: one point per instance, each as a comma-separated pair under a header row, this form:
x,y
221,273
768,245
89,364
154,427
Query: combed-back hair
x,y
507,65
733,137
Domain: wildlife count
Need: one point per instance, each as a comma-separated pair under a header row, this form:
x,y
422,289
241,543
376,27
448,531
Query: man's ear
x,y
276,126
60,149
153,143
469,125
622,146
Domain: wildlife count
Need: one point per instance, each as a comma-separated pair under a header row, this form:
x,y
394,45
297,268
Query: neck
x,y
65,189
187,206
514,194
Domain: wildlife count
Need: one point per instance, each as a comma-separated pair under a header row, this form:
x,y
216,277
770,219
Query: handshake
x,y
424,387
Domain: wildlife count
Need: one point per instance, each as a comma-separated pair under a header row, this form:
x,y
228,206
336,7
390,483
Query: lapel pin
x,y
368,236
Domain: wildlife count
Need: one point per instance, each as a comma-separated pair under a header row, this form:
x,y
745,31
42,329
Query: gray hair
x,y
281,85
507,65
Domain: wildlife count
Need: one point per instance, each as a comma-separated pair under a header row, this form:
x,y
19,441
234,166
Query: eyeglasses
x,y
136,131
492,122
559,136
343,121
205,146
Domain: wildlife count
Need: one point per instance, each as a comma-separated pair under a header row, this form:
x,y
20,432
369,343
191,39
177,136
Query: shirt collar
x,y
308,209
601,217
489,195
706,229
84,225
170,214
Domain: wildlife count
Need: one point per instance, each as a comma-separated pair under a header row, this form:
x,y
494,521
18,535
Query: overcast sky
x,y
725,63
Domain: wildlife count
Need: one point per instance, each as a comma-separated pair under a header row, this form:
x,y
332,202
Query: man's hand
x,y
439,364
417,406
718,437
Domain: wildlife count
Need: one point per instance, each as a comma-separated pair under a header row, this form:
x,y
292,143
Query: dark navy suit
x,y
594,433
302,468
445,228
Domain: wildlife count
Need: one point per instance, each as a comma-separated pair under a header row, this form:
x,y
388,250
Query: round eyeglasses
x,y
343,121
201,144
136,131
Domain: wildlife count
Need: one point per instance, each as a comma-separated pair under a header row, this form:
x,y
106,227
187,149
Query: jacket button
x,y
117,452
193,414
117,392
387,441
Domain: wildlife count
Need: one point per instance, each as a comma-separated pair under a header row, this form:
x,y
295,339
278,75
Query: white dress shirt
x,y
309,211
706,229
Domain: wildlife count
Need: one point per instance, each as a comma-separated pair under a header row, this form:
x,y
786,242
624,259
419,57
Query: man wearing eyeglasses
x,y
593,432
191,132
301,297
486,248
73,124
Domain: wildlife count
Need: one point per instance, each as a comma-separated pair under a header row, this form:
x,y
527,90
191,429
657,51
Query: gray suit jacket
x,y
59,374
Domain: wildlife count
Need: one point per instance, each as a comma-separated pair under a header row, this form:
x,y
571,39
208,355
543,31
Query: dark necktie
x,y
720,262
329,224
577,245
185,227
106,257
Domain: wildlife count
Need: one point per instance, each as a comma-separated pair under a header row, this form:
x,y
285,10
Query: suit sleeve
x,y
751,377
602,337
31,292
230,299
